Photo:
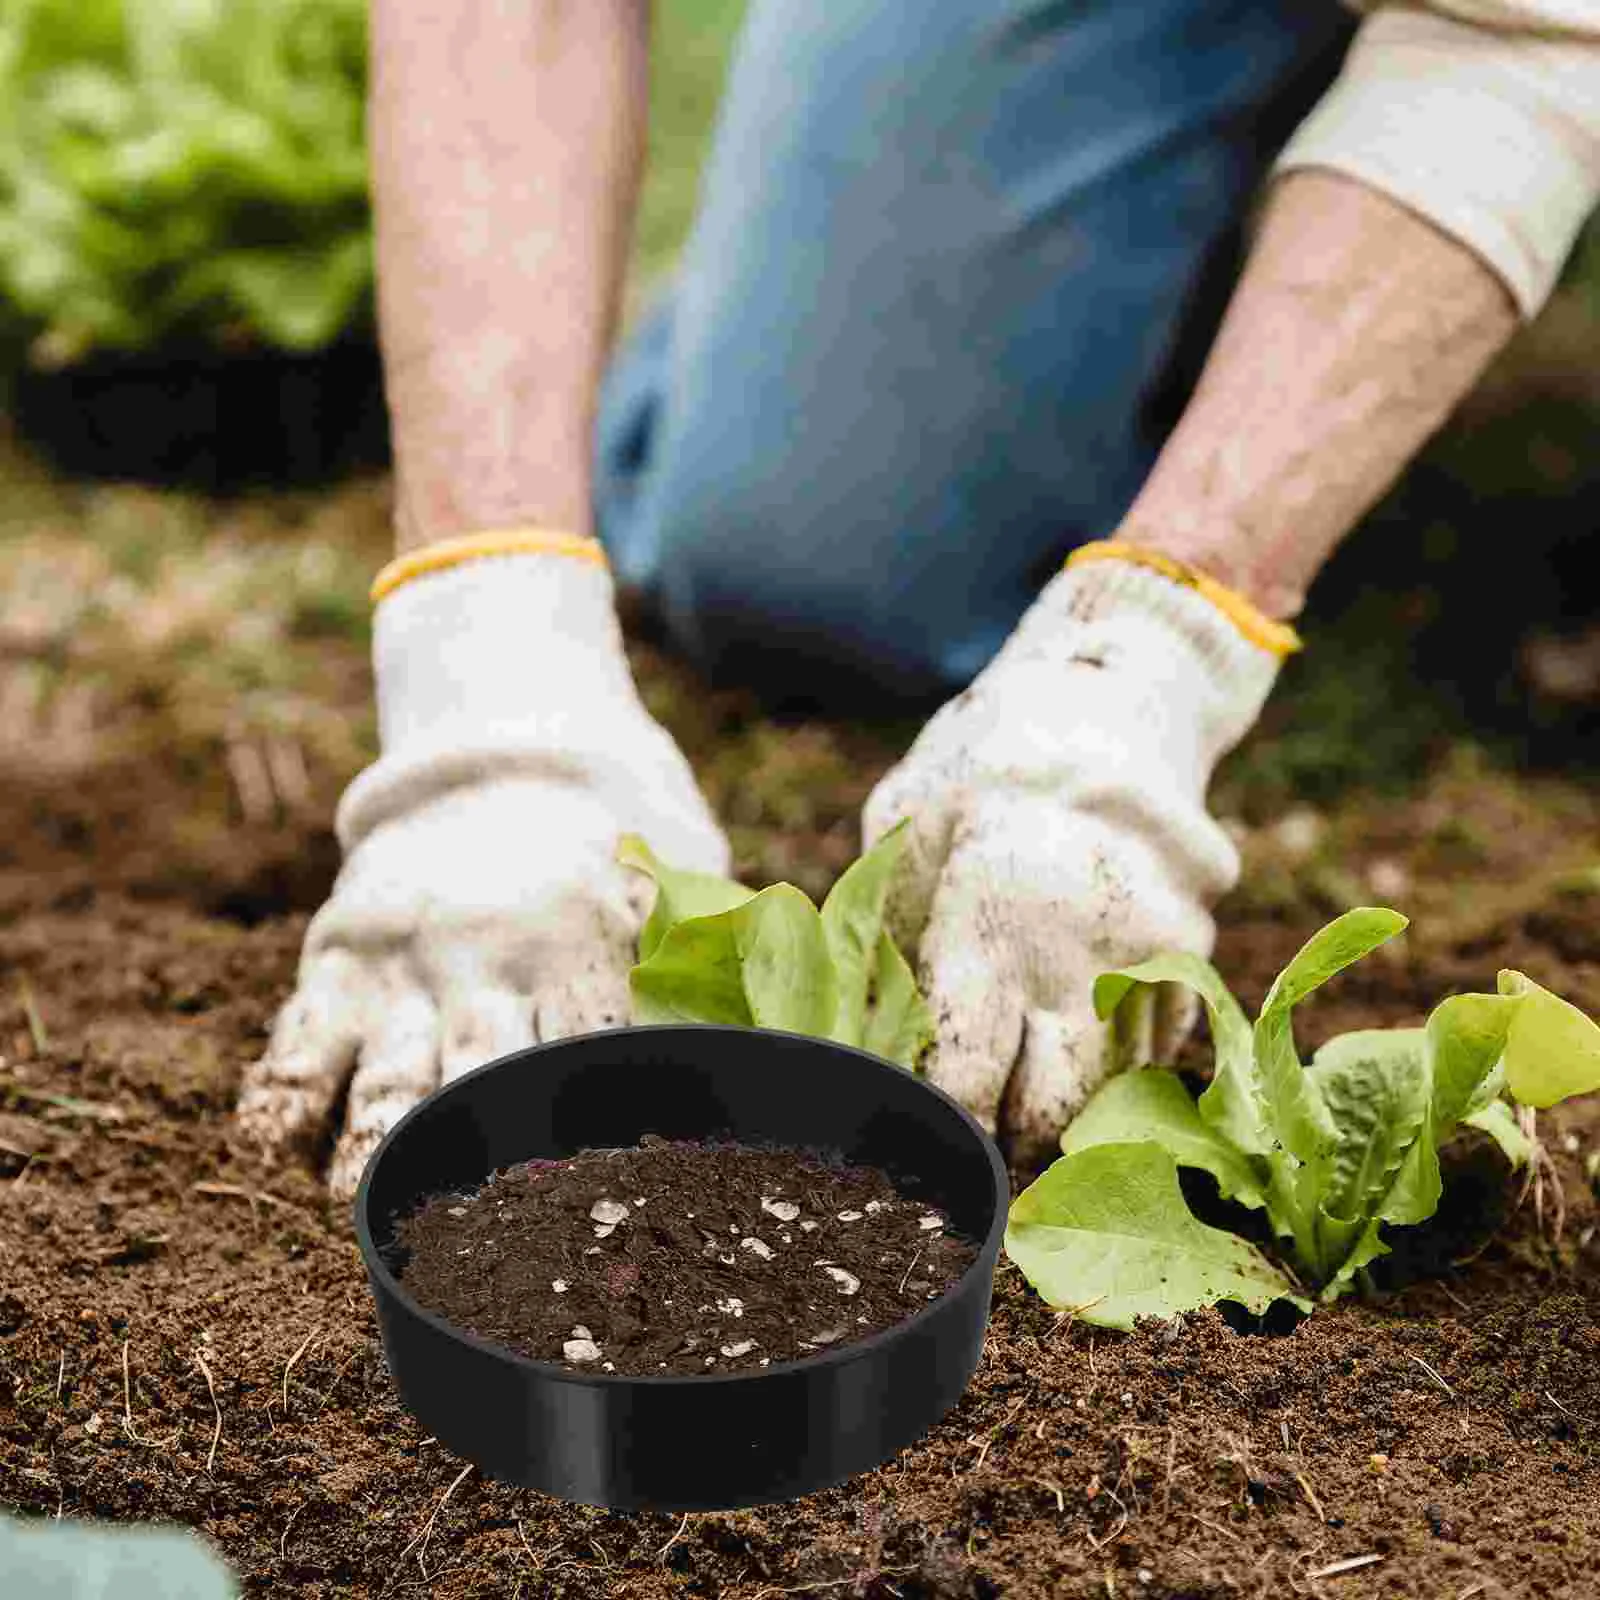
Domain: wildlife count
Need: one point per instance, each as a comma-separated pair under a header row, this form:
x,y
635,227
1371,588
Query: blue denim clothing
x,y
955,267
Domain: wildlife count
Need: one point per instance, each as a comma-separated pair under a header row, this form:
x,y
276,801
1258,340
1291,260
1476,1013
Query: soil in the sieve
x,y
680,1257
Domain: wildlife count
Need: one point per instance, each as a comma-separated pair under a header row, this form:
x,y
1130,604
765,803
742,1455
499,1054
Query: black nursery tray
x,y
705,1441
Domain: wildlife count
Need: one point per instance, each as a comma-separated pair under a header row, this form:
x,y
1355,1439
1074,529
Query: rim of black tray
x,y
988,1251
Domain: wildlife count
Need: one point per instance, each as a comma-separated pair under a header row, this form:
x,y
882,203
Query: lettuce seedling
x,y
715,951
1333,1151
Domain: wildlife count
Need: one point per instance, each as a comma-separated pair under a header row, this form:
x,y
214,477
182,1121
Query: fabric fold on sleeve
x,y
1489,130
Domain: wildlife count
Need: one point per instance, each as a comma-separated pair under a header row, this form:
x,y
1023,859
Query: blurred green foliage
x,y
692,45
195,170
181,169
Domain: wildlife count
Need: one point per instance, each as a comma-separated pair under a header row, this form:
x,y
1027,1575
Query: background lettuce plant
x,y
1332,1151
182,168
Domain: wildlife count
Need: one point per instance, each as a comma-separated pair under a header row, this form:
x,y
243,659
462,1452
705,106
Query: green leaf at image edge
x,y
1105,1233
1552,1048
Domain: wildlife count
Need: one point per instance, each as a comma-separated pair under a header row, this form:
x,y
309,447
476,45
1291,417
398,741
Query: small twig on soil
x,y
1310,1494
286,766
94,1110
661,1554
288,1367
1432,1373
832,1583
127,1411
427,1527
1561,1408
538,1561
61,1375
1349,1564
1112,1537
238,1192
211,1389
1472,1589
252,780
1065,1319
37,1032
989,1438
283,1540
906,1278
1055,1489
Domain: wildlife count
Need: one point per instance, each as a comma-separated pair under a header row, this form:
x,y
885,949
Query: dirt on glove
x,y
680,1257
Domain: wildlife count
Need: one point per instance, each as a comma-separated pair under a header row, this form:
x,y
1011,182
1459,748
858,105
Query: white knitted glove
x,y
479,907
1059,830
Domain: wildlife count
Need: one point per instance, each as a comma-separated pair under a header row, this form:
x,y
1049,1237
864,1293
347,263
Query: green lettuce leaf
x,y
1466,1037
1232,1101
1295,1114
852,919
1552,1049
899,1026
1105,1232
1150,1103
1377,1090
1499,1121
679,894
762,964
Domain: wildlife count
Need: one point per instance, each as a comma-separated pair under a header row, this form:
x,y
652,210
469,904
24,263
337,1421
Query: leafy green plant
x,y
715,951
1333,1152
182,168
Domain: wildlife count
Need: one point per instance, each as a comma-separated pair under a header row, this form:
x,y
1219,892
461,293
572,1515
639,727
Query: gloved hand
x,y
1059,830
479,907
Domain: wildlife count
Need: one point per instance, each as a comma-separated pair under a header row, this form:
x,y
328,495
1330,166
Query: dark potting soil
x,y
680,1257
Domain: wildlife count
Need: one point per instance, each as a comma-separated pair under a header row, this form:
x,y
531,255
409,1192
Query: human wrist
x,y
433,506
1263,572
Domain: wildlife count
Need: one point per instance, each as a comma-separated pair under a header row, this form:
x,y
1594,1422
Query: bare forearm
x,y
506,147
1355,330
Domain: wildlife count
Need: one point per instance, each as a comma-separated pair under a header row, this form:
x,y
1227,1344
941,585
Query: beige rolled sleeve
x,y
1482,116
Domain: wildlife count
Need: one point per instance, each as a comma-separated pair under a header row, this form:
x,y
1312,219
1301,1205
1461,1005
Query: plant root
x,y
1543,1181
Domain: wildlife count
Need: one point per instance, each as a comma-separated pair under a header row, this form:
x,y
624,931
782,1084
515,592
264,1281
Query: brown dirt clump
x,y
679,1257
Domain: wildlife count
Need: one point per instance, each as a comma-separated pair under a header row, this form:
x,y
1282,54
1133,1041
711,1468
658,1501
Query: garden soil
x,y
186,1333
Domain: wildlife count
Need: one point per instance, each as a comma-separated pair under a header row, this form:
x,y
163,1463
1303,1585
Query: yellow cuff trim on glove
x,y
1277,637
493,542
